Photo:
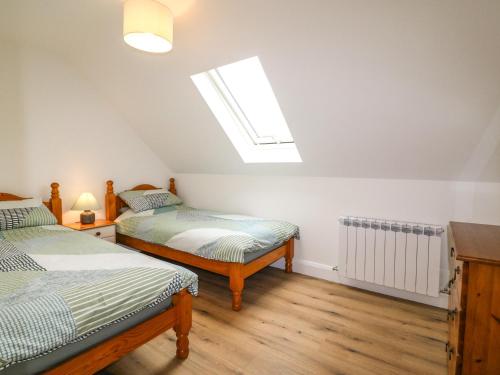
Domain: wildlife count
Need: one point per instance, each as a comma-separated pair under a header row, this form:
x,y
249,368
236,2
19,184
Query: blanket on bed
x,y
58,286
209,234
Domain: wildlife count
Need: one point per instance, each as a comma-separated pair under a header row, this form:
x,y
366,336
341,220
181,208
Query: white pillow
x,y
25,203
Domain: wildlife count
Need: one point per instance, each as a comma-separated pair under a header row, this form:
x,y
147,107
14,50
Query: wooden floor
x,y
294,324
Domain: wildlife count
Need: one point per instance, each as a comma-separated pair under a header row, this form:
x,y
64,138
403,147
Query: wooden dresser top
x,y
477,242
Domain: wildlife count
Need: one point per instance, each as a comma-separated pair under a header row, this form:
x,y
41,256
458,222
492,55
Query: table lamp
x,y
86,203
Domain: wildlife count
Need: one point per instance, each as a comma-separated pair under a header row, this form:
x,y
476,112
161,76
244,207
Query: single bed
x,y
231,245
73,304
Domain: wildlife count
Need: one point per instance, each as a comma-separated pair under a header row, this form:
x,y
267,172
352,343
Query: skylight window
x,y
242,99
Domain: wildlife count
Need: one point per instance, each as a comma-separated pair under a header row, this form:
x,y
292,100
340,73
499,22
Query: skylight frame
x,y
252,147
225,91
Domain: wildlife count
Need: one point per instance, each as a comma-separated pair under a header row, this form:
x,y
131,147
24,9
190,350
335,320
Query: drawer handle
x,y
457,270
452,252
447,346
98,234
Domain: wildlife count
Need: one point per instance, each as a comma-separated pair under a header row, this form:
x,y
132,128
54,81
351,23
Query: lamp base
x,y
87,217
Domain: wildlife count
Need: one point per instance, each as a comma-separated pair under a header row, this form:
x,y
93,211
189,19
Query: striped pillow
x,y
143,200
20,217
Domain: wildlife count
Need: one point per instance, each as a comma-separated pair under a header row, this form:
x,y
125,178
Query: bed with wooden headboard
x,y
237,272
54,204
105,352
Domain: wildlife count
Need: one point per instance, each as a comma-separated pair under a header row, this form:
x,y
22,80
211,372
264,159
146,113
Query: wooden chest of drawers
x,y
474,303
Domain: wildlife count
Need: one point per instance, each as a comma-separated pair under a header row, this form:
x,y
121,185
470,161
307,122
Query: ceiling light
x,y
148,25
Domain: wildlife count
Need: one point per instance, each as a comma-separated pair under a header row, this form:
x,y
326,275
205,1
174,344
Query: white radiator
x,y
400,255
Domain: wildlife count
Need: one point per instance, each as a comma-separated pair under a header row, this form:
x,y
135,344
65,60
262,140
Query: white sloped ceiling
x,y
384,89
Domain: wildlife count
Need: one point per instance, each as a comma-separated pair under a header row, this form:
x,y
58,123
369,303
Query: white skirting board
x,y
325,272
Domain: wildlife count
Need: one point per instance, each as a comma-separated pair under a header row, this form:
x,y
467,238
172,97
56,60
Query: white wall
x,y
55,127
316,203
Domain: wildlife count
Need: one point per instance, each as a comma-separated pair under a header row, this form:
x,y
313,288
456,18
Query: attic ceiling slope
x,y
382,89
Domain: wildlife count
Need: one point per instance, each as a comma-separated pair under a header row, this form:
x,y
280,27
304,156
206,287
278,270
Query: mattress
x,y
64,353
208,234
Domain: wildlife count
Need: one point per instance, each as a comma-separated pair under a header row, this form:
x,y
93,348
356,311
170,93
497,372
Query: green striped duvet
x,y
209,234
58,286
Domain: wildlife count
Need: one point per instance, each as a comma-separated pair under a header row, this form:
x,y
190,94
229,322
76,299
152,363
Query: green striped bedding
x,y
58,286
209,234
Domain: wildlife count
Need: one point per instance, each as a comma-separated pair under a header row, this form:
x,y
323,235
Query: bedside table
x,y
103,229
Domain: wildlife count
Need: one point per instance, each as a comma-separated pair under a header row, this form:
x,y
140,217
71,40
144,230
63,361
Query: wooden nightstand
x,y
103,229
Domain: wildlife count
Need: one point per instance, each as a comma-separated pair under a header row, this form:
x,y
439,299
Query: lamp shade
x,y
148,25
86,202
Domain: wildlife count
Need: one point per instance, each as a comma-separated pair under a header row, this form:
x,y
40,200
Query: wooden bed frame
x,y
237,272
54,204
178,317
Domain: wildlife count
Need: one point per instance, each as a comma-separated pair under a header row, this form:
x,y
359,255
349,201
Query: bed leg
x,y
236,284
183,302
289,255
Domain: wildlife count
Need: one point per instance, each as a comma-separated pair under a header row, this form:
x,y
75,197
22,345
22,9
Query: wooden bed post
x,y
290,249
171,187
183,304
110,202
56,202
236,284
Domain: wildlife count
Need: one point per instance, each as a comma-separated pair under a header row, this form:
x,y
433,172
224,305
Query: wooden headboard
x,y
114,203
54,204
